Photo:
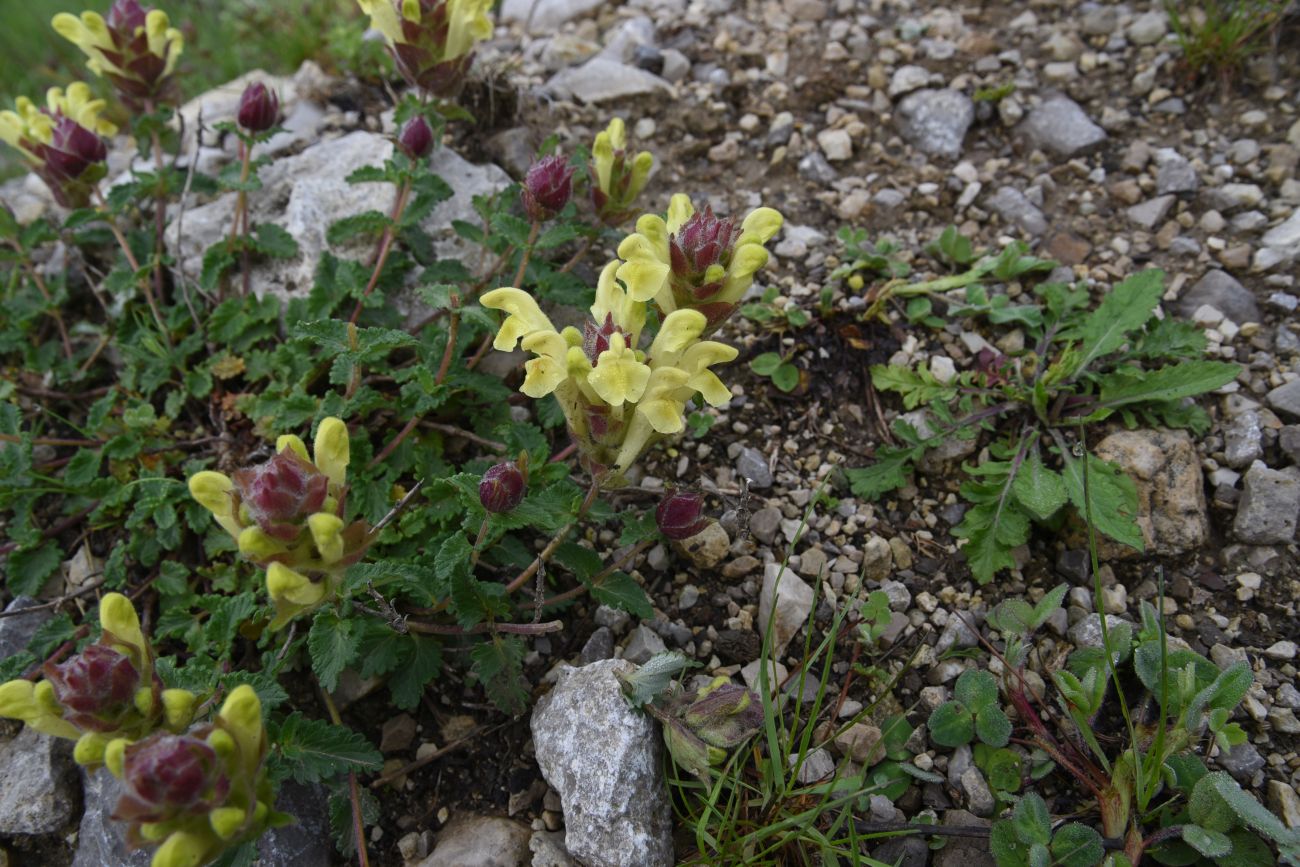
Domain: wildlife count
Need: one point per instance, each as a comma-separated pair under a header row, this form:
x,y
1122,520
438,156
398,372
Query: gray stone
x,y
785,601
546,16
935,121
1148,28
764,524
1171,497
1087,632
606,762
1284,238
708,547
642,644
480,841
1012,206
602,80
17,631
101,841
817,765
37,784
1148,213
1285,399
1288,439
835,144
1242,761
907,851
814,167
548,850
957,632
907,79
1243,440
752,465
1060,126
1223,292
979,797
599,646
950,449
1175,174
1269,507
964,851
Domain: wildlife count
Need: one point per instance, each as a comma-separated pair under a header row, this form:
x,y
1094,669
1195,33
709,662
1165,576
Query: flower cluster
x,y
107,694
616,397
287,515
700,728
432,41
616,178
61,140
695,260
194,795
135,47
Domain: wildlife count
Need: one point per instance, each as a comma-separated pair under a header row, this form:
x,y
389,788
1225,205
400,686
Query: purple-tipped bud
x,y
127,15
72,149
547,187
416,138
281,493
680,515
97,686
725,715
259,108
169,775
703,241
502,488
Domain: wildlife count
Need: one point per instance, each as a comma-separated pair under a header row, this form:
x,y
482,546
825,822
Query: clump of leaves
x,y
1218,37
777,317
778,368
1027,838
974,712
1081,365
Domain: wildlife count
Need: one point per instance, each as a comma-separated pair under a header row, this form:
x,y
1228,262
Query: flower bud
x,y
97,686
680,515
281,492
547,187
502,488
126,15
416,138
700,244
166,776
724,714
259,108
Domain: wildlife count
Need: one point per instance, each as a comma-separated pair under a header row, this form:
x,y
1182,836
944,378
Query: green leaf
x,y
765,364
993,726
1076,845
313,750
1211,844
1031,821
1125,308
498,664
1174,382
951,724
582,562
1007,849
1048,605
1003,771
651,679
786,377
976,689
1040,490
1113,496
332,644
82,469
916,386
421,662
620,590
365,223
888,473
27,571
273,241
1171,338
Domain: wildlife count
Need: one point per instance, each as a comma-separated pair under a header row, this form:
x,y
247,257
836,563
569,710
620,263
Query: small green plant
x,y
975,712
1081,365
766,312
779,369
1218,37
1027,838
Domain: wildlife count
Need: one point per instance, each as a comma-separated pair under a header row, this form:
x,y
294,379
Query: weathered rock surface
x,y
602,80
785,601
1223,292
935,121
1269,507
481,841
1171,496
17,631
1058,125
37,784
545,16
605,761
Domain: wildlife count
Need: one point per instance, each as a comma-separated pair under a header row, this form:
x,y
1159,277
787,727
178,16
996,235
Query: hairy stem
x,y
385,247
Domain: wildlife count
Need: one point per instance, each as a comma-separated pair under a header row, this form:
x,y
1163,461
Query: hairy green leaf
x,y
1125,308
332,644
313,750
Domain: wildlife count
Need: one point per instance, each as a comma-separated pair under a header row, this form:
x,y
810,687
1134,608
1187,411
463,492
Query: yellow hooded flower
x,y
616,180
694,259
62,140
135,47
432,41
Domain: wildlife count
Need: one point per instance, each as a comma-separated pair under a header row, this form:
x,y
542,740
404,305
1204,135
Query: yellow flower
x,y
292,592
616,180
31,127
332,450
139,69
619,376
431,47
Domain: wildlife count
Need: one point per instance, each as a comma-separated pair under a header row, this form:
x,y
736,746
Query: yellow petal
x,y
542,376
156,26
710,387
679,329
283,583
327,533
680,210
468,23
178,708
618,377
16,701
90,748
117,615
242,714
212,491
644,277
114,756
706,353
227,821
257,546
652,229
760,226
746,260
332,450
295,443
524,316
641,166
664,415
181,849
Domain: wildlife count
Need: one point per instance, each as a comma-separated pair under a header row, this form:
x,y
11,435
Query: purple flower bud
x,y
502,488
259,108
725,715
416,138
72,149
703,241
127,16
547,187
281,493
166,776
679,515
97,685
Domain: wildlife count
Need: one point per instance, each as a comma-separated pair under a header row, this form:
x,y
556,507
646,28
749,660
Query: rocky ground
x,y
1103,154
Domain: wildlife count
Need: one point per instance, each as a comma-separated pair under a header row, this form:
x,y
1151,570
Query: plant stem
x,y
160,206
453,328
54,313
385,247
240,226
354,793
479,628
575,592
522,578
527,254
135,268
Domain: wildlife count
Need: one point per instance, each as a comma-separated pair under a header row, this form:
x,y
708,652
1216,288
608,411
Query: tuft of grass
x,y
1219,36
